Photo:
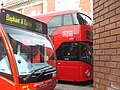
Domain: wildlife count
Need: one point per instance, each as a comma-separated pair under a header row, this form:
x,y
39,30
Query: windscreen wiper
x,y
42,72
26,78
46,71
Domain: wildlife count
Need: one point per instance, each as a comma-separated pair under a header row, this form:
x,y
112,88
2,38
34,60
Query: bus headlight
x,y
87,73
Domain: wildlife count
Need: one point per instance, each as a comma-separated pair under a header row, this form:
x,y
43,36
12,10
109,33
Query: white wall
x,y
61,5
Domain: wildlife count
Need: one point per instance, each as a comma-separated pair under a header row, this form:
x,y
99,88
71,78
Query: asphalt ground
x,y
62,85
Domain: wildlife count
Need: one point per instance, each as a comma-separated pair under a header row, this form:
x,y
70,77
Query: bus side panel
x,y
5,84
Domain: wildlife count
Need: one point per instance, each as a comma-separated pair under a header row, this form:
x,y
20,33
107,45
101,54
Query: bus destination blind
x,y
21,21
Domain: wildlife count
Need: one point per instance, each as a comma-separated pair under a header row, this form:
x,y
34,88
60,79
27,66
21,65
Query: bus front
x,y
27,61
75,53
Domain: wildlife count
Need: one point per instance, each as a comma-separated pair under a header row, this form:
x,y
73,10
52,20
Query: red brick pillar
x,y
106,44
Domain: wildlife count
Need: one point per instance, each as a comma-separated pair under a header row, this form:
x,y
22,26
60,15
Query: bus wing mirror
x,y
46,58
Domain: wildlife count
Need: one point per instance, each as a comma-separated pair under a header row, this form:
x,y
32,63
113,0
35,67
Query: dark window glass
x,y
69,51
67,19
87,20
86,51
75,51
89,35
79,18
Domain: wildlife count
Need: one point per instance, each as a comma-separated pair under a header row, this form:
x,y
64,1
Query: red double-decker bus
x,y
71,34
27,59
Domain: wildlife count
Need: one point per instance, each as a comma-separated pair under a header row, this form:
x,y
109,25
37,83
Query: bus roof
x,y
55,13
15,19
49,15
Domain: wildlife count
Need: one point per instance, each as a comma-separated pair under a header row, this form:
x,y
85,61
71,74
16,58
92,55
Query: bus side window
x,y
2,49
4,62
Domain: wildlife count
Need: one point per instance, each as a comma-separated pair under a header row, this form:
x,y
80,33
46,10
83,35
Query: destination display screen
x,y
89,35
21,21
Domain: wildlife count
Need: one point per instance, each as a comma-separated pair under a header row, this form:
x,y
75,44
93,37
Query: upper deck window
x,y
67,19
55,22
87,20
80,18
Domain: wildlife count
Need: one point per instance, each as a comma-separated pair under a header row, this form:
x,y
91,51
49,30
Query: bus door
x,y
67,67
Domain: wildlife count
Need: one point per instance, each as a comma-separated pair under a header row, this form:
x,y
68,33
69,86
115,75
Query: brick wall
x,y
106,44
85,6
10,1
37,8
50,5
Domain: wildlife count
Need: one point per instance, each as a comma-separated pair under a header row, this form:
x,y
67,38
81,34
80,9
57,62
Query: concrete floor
x,y
61,85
